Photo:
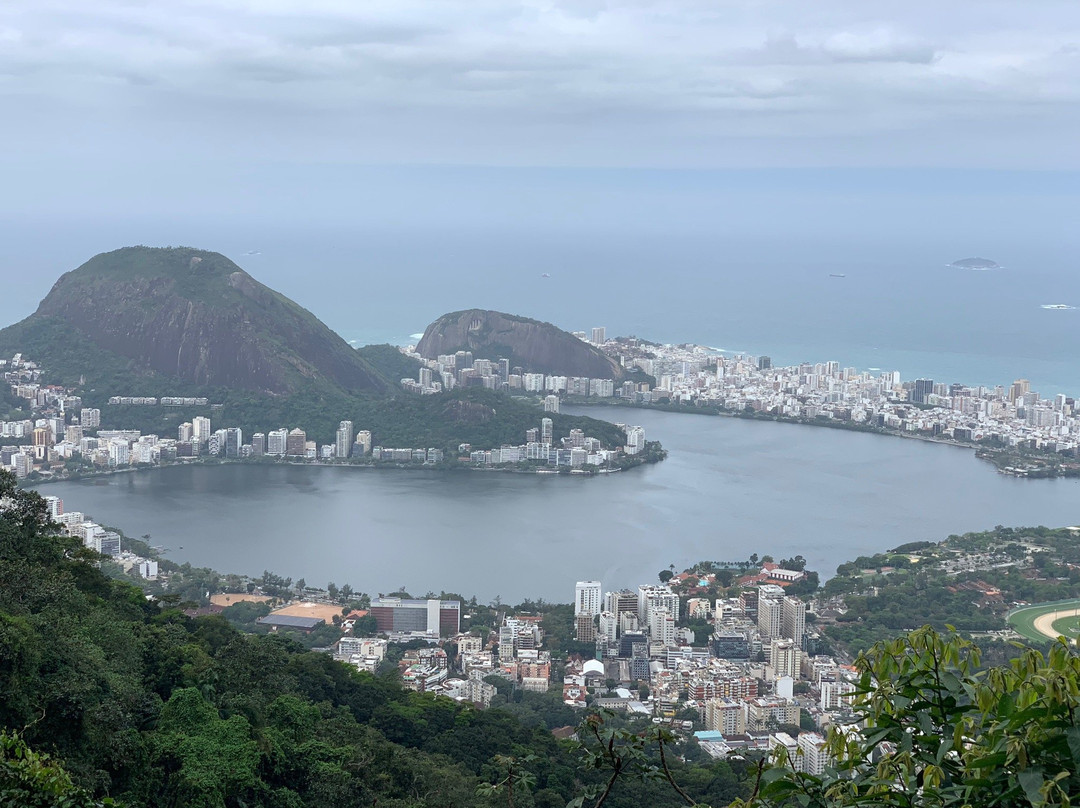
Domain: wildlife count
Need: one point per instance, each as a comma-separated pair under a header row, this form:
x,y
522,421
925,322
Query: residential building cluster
x,y
100,540
165,401
1015,416
62,429
462,369
512,653
740,680
574,451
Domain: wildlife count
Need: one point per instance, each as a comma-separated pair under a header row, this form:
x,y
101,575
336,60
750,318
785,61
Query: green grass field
x,y
1023,620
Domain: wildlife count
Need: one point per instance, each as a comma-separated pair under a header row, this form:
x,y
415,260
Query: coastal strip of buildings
x,y
63,430
1009,417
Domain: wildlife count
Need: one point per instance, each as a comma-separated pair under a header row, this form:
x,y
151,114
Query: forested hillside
x,y
140,703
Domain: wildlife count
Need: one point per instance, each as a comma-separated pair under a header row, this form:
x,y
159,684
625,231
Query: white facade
x,y
200,429
770,617
546,430
653,596
794,620
344,443
609,626
785,658
587,598
276,441
811,755
148,569
661,626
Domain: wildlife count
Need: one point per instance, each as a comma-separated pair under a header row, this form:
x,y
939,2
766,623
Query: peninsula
x,y
131,357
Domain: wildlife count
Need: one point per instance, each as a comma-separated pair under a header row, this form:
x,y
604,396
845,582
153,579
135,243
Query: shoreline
x,y
996,456
443,469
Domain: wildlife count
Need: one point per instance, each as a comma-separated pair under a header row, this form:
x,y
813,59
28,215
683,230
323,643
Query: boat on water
x,y
609,471
837,275
546,471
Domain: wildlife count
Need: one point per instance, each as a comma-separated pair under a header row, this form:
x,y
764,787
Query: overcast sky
x,y
628,83
420,155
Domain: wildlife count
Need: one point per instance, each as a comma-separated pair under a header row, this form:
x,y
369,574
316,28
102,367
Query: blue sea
x,y
734,260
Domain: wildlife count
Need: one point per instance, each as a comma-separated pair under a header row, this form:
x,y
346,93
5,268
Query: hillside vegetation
x,y
139,702
144,321
196,316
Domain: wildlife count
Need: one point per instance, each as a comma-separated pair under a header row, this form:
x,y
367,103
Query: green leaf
x,y
1031,780
1073,736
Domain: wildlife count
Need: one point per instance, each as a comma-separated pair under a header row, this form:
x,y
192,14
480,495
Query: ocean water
x,y
735,260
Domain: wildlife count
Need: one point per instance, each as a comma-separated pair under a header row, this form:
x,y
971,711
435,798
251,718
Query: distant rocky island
x,y
975,263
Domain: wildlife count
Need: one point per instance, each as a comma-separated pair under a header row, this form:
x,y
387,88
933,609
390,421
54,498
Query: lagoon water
x,y
729,488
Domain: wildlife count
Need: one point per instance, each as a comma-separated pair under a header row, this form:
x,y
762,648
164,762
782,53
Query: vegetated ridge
x,y
144,321
196,316
533,345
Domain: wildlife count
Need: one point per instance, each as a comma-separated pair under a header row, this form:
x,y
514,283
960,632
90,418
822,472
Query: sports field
x,y
1045,621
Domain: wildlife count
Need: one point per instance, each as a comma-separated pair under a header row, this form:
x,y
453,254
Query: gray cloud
x,y
586,82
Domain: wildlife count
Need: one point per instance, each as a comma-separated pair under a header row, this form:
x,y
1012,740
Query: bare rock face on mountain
x,y
530,344
197,316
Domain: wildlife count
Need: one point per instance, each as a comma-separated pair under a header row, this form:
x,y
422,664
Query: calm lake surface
x,y
729,488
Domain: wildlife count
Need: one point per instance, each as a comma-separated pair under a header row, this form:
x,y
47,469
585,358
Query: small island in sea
x,y
975,264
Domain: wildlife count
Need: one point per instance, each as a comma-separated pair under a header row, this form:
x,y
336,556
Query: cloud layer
x,y
721,83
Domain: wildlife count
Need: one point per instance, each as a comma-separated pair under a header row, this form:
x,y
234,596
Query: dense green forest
x,y
138,702
483,418
111,697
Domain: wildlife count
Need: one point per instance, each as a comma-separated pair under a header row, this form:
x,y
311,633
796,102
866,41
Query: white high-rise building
x,y
635,440
811,756
794,620
148,570
609,626
836,694
56,507
785,658
90,418
662,625
363,439
653,596
343,445
184,431
599,335
551,404
547,430
587,598
276,441
119,453
200,429
770,617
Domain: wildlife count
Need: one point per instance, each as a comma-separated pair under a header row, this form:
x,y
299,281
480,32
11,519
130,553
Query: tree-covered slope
x,y
535,346
193,315
141,703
